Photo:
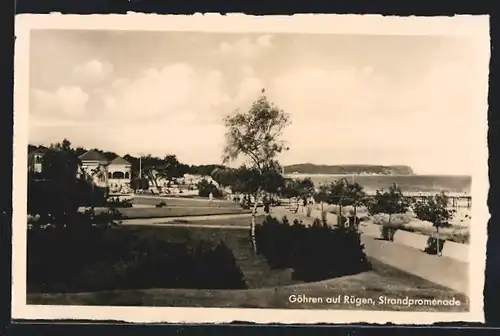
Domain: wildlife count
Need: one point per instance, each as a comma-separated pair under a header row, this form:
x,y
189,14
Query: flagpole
x,y
140,167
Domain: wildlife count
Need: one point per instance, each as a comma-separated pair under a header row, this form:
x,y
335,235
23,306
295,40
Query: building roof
x,y
36,150
120,161
93,155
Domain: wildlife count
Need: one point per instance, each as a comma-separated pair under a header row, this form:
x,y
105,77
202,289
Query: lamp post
x,y
140,167
139,182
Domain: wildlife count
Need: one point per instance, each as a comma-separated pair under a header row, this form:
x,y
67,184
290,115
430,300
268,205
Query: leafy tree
x,y
139,183
171,168
203,170
294,188
256,135
305,187
434,209
342,193
61,190
390,202
225,177
60,163
80,151
151,166
205,188
289,189
168,168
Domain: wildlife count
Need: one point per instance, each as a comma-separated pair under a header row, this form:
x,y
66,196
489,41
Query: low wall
x,y
411,239
370,230
418,241
456,251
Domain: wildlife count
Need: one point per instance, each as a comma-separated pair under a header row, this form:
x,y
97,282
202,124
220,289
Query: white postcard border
x,y
472,26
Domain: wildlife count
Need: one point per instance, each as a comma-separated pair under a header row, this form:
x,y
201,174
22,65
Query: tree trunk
x,y
252,226
355,220
438,252
389,229
339,216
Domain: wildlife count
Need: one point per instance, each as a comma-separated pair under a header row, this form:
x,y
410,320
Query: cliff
x,y
309,168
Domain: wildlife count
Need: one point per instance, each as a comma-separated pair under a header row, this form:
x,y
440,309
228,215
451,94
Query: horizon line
x,y
283,165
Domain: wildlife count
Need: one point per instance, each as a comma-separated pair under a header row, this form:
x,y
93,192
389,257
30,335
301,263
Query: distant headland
x,y
358,169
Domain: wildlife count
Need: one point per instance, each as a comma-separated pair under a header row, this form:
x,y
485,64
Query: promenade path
x,y
442,270
169,220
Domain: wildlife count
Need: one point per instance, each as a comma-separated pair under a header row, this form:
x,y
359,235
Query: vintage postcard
x,y
278,169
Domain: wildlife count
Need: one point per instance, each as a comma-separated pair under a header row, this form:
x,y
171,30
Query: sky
x,y
352,99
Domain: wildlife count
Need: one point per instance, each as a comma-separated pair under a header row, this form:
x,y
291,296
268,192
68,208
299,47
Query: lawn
x,y
381,281
183,202
130,213
267,288
243,221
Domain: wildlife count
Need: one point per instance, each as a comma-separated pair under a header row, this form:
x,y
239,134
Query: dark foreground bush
x,y
91,258
432,246
116,202
315,253
58,197
206,188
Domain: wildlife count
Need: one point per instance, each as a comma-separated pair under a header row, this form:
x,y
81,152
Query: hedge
x,y
315,253
102,258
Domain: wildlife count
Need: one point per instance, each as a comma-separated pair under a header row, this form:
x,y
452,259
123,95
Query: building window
x,y
127,175
118,175
109,175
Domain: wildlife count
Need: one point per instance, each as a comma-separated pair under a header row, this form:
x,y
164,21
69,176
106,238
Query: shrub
x,y
266,234
140,183
329,252
308,212
93,258
205,188
389,224
432,245
435,210
389,208
323,216
59,197
314,253
460,236
115,202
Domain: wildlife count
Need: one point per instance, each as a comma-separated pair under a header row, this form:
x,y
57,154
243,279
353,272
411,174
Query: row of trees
x,y
256,135
153,168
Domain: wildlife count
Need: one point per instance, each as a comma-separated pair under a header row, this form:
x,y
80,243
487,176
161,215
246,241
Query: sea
x,y
408,183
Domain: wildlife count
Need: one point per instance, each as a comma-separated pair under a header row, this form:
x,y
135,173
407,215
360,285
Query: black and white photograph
x,y
300,169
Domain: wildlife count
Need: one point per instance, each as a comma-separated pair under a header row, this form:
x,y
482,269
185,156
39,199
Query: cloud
x,y
245,48
66,101
343,93
93,71
248,91
174,92
423,121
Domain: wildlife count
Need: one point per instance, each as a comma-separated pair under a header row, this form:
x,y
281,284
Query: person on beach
x,y
266,203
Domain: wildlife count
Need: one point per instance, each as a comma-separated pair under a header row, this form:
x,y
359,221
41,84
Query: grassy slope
x,y
178,212
268,288
183,202
383,280
179,208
